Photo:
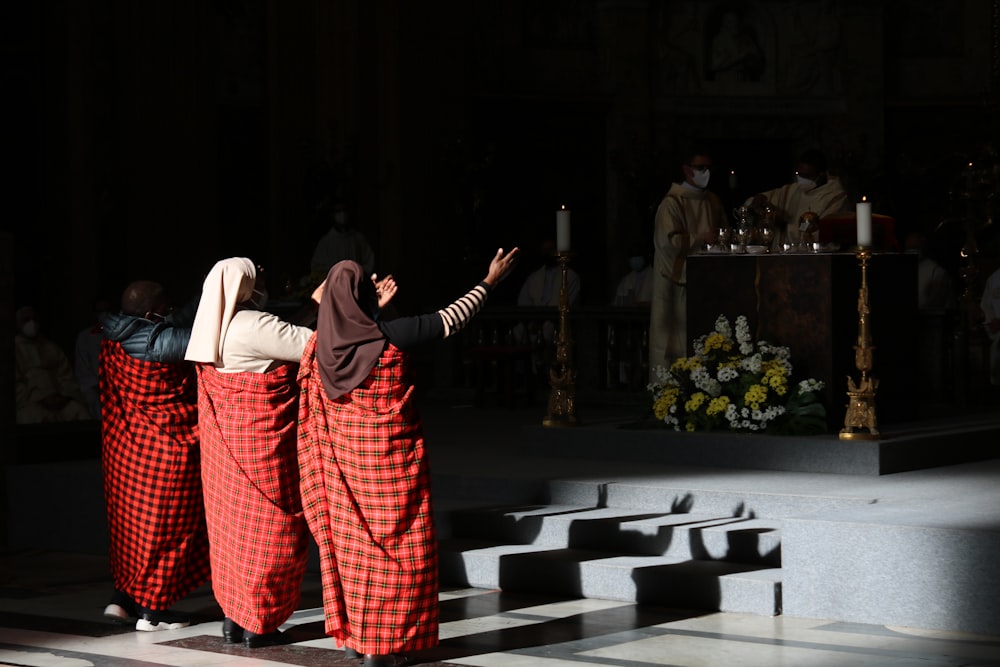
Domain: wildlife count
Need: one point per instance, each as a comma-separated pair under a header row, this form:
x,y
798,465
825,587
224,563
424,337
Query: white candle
x,y
732,180
562,230
864,213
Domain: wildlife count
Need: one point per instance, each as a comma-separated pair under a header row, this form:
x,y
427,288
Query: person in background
x,y
365,473
935,288
342,241
813,189
990,304
636,286
86,358
150,459
45,387
686,219
542,286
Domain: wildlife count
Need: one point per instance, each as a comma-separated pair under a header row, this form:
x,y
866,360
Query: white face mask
x,y
30,328
700,178
804,182
637,263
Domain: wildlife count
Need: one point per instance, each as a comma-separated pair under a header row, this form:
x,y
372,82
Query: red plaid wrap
x,y
152,480
367,497
255,524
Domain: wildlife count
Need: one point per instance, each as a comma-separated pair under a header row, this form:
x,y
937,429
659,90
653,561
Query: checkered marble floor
x,y
50,616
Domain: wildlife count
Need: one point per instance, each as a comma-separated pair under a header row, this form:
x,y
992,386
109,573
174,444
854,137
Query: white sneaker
x,y
116,612
154,621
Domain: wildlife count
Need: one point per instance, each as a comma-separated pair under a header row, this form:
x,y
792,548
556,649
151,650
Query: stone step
x,y
929,563
709,497
659,580
682,535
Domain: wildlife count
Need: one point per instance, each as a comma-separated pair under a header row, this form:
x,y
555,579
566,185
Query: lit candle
x,y
562,230
732,180
864,213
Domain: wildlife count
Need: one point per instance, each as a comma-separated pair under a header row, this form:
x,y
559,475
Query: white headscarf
x,y
229,283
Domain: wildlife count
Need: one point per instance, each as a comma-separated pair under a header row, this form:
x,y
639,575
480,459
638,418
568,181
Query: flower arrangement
x,y
734,383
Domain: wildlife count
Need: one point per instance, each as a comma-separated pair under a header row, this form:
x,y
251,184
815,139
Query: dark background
x,y
150,139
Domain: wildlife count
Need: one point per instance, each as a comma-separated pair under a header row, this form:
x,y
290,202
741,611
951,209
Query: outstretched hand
x,y
501,265
317,295
385,289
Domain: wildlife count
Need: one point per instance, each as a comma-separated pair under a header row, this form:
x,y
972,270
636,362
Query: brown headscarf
x,y
348,342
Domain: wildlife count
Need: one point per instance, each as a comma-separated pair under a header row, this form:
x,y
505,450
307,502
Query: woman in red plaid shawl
x,y
247,411
364,470
150,459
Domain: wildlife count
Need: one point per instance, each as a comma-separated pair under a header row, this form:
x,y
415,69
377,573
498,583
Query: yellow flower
x,y
685,364
717,341
665,402
756,394
775,376
717,405
689,426
695,401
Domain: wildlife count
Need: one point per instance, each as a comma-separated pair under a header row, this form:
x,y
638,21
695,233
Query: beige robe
x,y
792,200
42,369
683,219
990,303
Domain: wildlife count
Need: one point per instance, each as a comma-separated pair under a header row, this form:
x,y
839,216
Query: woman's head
x,y
346,281
229,284
348,341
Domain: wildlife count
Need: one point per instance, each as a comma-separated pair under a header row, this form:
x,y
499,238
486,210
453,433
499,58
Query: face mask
x,y
637,263
260,299
30,329
804,182
700,178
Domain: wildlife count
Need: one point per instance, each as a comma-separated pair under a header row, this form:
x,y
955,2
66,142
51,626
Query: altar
x,y
808,302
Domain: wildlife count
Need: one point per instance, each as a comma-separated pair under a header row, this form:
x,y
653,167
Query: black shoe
x,y
122,607
387,660
153,621
351,654
276,638
231,632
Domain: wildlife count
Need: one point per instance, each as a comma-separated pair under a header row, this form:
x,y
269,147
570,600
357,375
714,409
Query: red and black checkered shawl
x,y
152,477
251,476
366,494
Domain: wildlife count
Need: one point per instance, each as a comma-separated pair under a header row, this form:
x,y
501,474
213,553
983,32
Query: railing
x,y
510,349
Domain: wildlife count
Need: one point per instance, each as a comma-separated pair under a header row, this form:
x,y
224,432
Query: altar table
x,y
809,303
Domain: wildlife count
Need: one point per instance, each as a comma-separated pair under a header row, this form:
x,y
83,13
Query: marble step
x,y
682,535
656,580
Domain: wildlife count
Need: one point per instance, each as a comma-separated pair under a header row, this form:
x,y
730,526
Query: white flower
x,y
722,326
727,373
742,331
810,385
661,372
751,363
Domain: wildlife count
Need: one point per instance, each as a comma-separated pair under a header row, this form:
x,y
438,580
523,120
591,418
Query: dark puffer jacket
x,y
145,340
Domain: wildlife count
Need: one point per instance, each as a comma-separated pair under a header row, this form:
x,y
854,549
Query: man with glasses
x,y
686,219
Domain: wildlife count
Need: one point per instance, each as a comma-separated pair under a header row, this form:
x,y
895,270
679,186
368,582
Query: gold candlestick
x,y
861,396
562,375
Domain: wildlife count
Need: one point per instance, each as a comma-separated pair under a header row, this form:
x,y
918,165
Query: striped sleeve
x,y
458,314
